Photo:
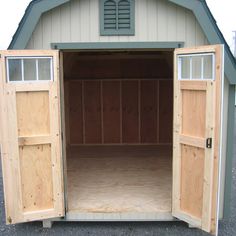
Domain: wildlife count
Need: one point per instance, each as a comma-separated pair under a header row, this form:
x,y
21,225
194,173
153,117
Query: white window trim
x,y
202,66
37,69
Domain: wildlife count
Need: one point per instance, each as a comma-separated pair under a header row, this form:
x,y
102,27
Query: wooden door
x,y
31,135
197,125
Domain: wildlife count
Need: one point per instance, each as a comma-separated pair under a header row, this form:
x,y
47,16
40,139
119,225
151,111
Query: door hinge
x,y
209,143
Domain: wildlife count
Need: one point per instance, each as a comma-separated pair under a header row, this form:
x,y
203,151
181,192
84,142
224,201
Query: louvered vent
x,y
110,15
117,17
124,14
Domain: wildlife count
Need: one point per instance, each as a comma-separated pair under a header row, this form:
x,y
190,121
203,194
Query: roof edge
x,y
30,20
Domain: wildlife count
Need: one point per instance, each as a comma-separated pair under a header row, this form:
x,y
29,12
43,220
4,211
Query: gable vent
x,y
117,17
110,15
124,14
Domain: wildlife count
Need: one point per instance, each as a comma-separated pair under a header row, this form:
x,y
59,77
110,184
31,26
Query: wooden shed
x,y
117,110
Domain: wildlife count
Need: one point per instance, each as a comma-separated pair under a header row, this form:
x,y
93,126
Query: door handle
x,y
209,142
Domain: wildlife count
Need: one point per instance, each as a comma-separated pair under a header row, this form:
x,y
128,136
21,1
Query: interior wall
x,y
118,99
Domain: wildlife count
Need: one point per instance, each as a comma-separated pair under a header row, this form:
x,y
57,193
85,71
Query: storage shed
x,y
117,110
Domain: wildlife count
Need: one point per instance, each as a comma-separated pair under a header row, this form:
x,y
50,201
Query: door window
x,y
28,69
196,67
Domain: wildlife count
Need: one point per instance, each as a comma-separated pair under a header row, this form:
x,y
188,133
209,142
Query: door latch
x,y
209,143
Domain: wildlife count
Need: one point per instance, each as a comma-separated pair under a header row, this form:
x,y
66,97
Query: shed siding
x,y
224,145
155,20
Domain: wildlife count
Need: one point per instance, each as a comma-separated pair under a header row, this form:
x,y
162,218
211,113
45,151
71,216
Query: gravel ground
x,y
227,227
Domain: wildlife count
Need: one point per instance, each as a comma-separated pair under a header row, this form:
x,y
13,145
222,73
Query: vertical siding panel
x,y
75,20
94,21
47,29
190,29
141,20
65,23
152,20
181,24
30,44
172,22
162,20
200,37
206,41
38,36
119,39
84,20
56,25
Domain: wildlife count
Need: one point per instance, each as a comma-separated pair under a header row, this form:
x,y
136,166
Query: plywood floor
x,y
119,179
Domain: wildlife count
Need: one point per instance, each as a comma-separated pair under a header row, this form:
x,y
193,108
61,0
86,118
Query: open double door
x,y
31,145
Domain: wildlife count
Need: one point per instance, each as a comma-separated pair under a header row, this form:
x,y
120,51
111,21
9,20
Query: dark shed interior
x,y
119,115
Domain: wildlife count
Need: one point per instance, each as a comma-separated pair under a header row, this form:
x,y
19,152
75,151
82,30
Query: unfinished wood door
x,y
31,135
197,125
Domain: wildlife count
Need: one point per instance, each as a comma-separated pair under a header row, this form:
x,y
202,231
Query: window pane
x,y
185,67
14,66
208,63
44,69
197,67
30,69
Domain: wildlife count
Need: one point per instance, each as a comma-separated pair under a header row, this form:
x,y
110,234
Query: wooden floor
x,y
126,179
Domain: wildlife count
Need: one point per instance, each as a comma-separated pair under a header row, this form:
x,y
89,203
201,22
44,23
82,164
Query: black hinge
x,y
209,143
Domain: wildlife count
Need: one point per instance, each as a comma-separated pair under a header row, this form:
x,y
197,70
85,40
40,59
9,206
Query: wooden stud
x,y
102,121
121,114
83,112
158,111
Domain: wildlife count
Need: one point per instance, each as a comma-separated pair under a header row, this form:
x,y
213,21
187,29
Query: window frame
x,y
191,68
117,32
22,69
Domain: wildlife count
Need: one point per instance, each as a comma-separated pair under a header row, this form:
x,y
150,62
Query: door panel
x,y
197,121
31,135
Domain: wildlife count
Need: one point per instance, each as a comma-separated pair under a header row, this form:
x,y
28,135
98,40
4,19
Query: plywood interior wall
x,y
118,98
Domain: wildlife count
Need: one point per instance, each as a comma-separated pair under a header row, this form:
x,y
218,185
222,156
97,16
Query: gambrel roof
x,y
199,7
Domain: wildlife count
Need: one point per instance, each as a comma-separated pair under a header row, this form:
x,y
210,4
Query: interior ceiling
x,y
161,61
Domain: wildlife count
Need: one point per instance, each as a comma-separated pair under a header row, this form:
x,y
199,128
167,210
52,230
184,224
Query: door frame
x,y
91,47
116,46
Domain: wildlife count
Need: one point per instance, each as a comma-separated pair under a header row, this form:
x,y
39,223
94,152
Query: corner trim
x,y
229,153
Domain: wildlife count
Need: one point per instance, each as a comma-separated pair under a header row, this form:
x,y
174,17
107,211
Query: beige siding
x,y
78,21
